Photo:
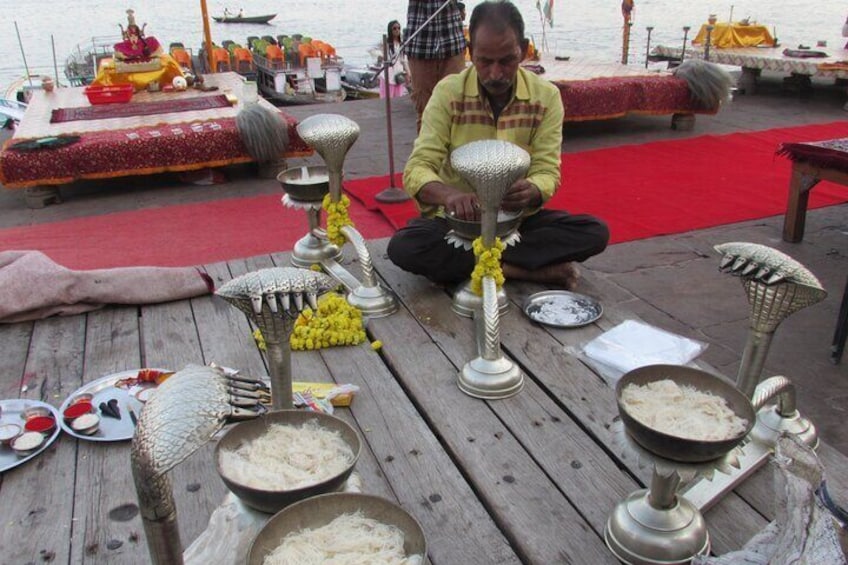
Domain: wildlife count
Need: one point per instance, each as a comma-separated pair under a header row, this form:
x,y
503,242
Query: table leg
x,y
683,122
796,207
41,196
841,332
748,80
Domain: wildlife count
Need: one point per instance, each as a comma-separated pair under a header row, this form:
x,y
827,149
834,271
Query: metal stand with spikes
x,y
273,298
776,286
639,529
332,135
491,167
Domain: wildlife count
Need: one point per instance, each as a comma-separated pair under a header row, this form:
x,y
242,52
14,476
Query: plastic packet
x,y
633,344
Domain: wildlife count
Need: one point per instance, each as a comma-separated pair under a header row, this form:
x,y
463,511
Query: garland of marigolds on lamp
x,y
488,264
337,218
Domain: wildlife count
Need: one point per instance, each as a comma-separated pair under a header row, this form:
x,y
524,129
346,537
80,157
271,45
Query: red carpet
x,y
668,187
640,190
187,234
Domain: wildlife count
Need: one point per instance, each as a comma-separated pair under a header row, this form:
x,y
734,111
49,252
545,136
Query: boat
x,y
238,19
11,112
361,83
287,70
318,81
82,64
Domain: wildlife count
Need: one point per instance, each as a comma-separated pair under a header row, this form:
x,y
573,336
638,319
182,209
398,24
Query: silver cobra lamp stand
x,y
776,286
332,136
273,298
188,409
491,167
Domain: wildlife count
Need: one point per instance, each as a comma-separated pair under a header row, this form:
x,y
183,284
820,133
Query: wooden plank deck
x,y
529,479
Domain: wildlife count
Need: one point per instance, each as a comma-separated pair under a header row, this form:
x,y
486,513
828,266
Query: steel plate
x,y
102,390
11,412
562,309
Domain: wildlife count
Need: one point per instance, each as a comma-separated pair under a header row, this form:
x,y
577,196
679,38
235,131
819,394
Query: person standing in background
x,y
435,50
399,72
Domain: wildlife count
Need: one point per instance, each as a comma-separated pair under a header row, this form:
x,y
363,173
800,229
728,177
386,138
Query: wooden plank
x,y
36,497
108,525
170,340
15,340
424,479
536,517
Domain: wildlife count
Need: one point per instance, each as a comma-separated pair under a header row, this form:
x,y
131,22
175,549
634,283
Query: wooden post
x,y
625,43
648,46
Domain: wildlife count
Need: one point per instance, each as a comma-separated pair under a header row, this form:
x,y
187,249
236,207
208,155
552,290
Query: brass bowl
x,y
321,510
272,501
308,184
676,448
507,223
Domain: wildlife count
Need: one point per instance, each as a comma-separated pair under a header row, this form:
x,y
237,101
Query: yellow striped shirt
x,y
457,114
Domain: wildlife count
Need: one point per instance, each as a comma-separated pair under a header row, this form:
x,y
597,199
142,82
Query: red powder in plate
x,y
40,424
77,410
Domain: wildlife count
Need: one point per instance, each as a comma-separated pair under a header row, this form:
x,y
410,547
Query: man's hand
x,y
463,206
521,195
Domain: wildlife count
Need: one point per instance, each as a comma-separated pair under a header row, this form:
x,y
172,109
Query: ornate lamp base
x,y
310,250
465,302
639,534
491,379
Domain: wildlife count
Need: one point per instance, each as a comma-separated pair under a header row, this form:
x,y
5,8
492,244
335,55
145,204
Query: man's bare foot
x,y
560,275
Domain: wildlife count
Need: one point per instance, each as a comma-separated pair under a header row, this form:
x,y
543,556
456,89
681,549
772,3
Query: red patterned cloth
x,y
109,111
141,151
603,98
829,154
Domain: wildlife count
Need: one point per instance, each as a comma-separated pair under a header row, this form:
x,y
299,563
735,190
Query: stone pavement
x,y
675,277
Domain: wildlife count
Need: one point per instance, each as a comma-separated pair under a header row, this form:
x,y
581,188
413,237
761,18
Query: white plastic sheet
x,y
633,344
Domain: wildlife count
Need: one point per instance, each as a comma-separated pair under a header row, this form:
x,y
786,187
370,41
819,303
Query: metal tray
x,y
11,413
102,390
562,309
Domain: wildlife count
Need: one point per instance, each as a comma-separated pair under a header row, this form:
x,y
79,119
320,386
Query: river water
x,y
580,27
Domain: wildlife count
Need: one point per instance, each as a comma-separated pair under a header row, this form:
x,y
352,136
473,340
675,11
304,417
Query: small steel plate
x,y
103,390
562,309
11,412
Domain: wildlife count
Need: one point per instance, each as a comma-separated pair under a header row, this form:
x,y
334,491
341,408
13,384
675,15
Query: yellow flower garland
x,y
488,264
334,323
337,218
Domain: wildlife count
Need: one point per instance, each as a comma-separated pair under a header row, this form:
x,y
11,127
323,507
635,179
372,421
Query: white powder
x,y
682,411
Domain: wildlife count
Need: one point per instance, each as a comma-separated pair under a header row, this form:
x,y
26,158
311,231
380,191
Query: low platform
x,y
593,90
141,144
799,70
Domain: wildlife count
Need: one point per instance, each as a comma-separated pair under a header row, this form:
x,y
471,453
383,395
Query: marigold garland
x,y
337,218
335,322
260,339
488,264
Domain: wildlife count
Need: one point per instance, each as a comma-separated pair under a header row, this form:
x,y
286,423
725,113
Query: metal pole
x,y
23,55
709,41
207,37
625,42
392,193
648,45
55,66
685,36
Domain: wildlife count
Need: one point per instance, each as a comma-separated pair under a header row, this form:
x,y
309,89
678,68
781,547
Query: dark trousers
x,y
547,237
